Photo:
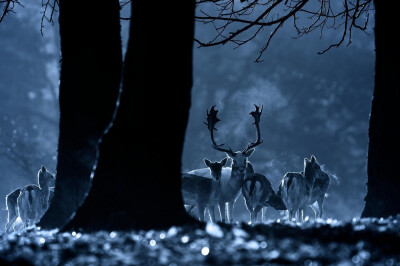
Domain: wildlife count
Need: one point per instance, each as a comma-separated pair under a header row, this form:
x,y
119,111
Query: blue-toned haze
x,y
313,104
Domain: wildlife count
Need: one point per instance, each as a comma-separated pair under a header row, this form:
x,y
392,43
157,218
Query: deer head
x,y
311,169
215,167
239,158
45,178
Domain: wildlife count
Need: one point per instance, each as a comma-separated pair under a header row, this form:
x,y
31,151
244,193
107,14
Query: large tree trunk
x,y
90,77
137,181
383,185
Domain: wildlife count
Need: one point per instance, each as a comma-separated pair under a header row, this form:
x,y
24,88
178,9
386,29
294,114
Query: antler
x,y
212,119
256,115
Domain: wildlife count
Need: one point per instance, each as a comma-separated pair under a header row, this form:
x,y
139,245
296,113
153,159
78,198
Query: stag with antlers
x,y
232,178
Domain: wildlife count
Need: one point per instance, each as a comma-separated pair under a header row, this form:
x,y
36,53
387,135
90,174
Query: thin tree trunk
x,y
383,185
137,181
90,77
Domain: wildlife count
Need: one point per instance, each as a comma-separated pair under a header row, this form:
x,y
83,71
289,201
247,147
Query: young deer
x,y
256,190
198,189
232,179
34,200
296,189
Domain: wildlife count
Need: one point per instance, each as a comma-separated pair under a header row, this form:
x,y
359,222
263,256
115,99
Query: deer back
x,y
321,185
204,172
257,189
199,190
293,190
30,201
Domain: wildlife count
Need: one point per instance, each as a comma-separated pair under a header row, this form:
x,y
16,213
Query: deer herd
x,y
219,185
215,185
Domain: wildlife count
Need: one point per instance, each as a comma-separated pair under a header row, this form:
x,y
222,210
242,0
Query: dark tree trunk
x,y
137,181
90,77
383,198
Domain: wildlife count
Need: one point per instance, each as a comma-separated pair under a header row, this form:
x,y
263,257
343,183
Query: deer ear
x,y
249,153
43,169
313,159
207,162
223,161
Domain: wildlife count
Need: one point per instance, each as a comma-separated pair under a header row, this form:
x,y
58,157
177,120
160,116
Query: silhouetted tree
x,y
91,66
383,195
137,180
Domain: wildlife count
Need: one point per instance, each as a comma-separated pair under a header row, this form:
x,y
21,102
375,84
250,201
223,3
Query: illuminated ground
x,y
358,242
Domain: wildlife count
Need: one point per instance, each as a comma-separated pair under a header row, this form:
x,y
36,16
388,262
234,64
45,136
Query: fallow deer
x,y
202,187
34,200
318,193
232,181
256,190
296,188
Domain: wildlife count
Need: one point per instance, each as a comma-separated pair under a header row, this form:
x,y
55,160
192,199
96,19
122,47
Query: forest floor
x,y
322,242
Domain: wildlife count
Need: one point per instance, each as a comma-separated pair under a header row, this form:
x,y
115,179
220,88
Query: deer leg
x,y
38,215
313,207
252,216
211,213
11,220
219,212
302,215
255,213
11,225
221,208
229,212
263,214
249,207
227,206
201,210
296,215
17,222
189,208
320,202
24,219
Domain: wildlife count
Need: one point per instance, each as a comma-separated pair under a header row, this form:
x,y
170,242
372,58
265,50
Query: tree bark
x,y
383,184
137,181
89,84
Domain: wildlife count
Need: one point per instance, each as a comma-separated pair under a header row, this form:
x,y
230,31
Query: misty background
x,y
313,105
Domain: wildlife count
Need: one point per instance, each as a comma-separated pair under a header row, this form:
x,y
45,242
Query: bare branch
x,y
9,6
49,7
123,4
239,22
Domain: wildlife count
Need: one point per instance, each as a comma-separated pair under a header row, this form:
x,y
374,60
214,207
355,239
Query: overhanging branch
x,y
239,22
